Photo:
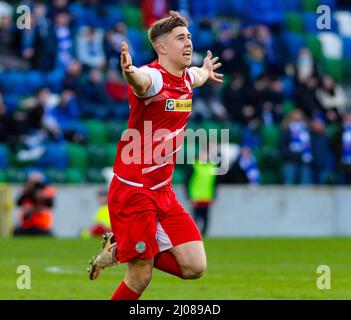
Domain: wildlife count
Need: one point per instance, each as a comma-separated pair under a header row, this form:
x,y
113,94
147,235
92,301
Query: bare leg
x,y
138,275
191,258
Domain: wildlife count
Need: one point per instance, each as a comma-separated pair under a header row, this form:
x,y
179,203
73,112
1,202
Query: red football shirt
x,y
147,151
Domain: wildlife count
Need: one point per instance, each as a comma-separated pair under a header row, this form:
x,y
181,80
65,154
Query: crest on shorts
x,y
140,247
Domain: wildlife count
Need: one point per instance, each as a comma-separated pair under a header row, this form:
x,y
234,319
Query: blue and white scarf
x,y
300,140
249,165
65,46
346,144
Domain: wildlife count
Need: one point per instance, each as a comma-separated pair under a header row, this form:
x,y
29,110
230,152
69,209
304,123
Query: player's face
x,y
179,46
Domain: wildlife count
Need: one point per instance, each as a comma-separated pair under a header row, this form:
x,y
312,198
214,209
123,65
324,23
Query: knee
x,y
194,271
138,282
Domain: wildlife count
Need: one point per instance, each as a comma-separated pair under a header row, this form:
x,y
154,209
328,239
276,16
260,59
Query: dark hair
x,y
166,25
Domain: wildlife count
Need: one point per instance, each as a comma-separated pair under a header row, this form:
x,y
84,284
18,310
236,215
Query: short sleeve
x,y
192,77
156,82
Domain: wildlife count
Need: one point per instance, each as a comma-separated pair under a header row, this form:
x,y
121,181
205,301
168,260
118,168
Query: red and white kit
x,y
146,217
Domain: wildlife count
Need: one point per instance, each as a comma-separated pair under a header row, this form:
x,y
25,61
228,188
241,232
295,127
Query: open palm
x,y
126,59
211,65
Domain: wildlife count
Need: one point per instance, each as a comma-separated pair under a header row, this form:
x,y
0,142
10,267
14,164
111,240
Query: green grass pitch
x,y
241,268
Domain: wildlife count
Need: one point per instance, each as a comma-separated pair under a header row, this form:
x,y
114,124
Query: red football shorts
x,y
146,222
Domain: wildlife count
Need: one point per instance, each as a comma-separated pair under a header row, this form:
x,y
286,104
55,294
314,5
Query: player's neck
x,y
170,67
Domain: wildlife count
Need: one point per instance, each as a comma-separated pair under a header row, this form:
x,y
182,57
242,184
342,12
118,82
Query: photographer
x,y
36,203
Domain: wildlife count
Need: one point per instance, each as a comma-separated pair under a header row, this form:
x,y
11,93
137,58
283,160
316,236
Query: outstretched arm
x,y
206,72
138,80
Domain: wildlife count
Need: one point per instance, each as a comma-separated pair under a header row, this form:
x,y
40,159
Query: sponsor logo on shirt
x,y
178,105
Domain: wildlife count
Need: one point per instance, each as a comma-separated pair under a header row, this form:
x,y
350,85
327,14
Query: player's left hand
x,y
210,65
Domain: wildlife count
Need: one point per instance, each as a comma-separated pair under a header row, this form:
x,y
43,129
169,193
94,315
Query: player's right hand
x,y
126,59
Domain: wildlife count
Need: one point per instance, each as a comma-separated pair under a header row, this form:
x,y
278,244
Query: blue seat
x,y
346,44
310,19
236,6
54,80
4,156
58,155
77,10
136,38
266,12
203,8
77,126
205,41
55,157
22,83
294,42
114,15
37,79
289,87
330,3
11,101
292,5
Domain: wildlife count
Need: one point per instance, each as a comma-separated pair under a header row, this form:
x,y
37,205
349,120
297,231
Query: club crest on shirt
x,y
179,105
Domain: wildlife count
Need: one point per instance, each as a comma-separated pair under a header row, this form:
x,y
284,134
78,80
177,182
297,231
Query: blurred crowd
x,y
75,47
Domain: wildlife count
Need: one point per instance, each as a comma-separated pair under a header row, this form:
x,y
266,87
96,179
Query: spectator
x,y
101,218
305,97
36,203
200,185
234,96
230,50
208,104
66,114
94,99
295,148
247,163
153,10
272,112
57,7
12,124
255,58
273,48
64,39
27,42
332,98
43,23
73,76
39,44
342,149
305,66
116,86
244,168
90,47
39,113
10,46
113,42
5,122
321,153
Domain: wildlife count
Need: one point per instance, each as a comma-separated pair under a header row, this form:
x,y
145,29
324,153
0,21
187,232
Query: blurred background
x,y
286,101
